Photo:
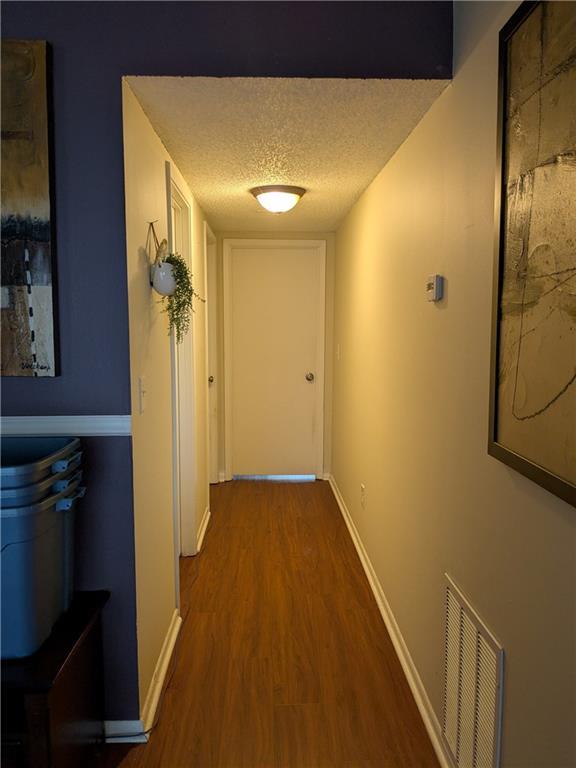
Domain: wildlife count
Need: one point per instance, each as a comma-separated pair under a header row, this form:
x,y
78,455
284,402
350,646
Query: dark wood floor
x,y
283,659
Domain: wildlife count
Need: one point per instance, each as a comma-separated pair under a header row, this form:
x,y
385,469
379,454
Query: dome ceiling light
x,y
278,198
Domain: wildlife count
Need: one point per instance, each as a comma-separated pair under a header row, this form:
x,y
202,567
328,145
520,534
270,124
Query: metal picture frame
x,y
513,36
29,307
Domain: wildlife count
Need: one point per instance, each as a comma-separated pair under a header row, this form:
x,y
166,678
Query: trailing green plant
x,y
179,306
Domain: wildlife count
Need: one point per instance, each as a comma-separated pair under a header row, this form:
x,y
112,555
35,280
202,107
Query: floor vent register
x,y
473,667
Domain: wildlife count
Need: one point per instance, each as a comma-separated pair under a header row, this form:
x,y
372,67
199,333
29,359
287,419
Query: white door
x,y
183,419
274,297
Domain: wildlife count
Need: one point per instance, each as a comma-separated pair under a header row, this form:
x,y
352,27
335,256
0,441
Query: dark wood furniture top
x,y
53,700
40,671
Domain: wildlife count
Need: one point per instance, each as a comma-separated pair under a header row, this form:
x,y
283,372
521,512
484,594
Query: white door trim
x,y
176,496
227,338
79,426
228,245
184,516
211,341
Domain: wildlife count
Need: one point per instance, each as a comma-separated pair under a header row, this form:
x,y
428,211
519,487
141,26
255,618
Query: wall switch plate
x,y
435,288
141,394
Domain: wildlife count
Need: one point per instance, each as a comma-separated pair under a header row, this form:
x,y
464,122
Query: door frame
x,y
183,400
228,246
212,352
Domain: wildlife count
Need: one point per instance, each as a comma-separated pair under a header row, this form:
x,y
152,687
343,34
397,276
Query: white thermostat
x,y
434,287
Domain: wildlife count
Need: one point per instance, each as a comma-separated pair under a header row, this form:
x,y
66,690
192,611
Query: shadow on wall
x,y
480,16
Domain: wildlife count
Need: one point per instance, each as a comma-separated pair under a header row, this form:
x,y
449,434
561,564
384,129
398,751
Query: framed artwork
x,y
533,377
27,310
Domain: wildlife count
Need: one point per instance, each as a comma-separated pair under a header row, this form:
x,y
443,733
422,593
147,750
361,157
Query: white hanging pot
x,y
163,278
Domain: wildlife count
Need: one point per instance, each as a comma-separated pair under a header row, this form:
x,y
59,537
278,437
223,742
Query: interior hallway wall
x,y
329,327
145,173
411,392
93,45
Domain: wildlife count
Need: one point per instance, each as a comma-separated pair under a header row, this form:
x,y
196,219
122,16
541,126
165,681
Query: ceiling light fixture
x,y
278,198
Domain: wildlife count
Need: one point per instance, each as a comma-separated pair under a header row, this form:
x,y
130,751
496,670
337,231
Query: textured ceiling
x,y
331,136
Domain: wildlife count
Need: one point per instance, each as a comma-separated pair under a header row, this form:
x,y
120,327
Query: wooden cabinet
x,y
53,701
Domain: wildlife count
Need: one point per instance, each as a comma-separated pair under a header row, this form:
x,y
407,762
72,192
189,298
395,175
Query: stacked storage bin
x,y
40,482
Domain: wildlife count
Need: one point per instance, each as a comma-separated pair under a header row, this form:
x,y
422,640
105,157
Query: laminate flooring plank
x,y
283,659
301,738
362,683
294,651
247,738
250,615
198,690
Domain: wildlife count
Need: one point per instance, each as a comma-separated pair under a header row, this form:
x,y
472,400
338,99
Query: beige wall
x,y
145,179
329,346
411,413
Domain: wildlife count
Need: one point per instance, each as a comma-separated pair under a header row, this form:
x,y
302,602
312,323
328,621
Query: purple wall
x,y
93,45
104,559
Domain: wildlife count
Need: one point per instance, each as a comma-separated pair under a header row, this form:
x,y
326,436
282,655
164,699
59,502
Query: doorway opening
x,y
219,138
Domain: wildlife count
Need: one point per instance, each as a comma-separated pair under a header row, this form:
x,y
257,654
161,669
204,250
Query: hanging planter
x,y
161,274
163,278
172,279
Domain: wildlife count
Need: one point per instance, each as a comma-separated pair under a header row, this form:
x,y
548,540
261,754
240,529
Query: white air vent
x,y
472,686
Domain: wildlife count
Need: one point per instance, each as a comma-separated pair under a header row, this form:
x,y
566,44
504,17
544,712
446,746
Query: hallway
x,y
283,658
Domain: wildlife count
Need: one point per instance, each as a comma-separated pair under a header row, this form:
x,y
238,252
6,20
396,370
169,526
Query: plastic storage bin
x,y
30,494
28,460
37,579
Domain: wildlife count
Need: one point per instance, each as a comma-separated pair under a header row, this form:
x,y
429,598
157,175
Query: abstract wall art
x,y
27,300
533,392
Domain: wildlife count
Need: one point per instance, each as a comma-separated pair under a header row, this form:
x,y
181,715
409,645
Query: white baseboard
x,y
124,732
203,528
414,681
78,426
154,691
222,477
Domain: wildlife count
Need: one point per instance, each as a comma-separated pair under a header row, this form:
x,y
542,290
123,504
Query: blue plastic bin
x,y
30,494
37,569
28,460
